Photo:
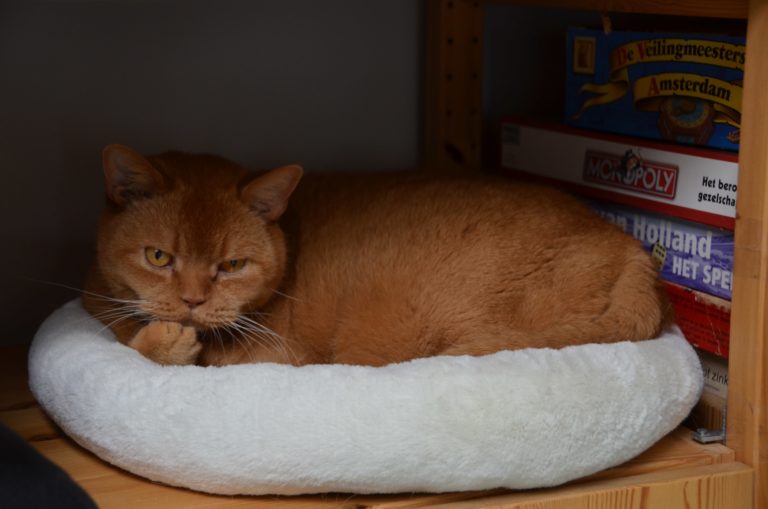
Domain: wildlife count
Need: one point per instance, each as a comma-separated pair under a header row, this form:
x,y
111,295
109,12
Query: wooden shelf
x,y
453,133
674,473
663,471
736,9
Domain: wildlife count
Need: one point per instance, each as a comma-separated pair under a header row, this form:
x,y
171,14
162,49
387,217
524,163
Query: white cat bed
x,y
522,419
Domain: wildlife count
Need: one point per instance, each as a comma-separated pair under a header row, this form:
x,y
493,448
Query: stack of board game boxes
x,y
650,139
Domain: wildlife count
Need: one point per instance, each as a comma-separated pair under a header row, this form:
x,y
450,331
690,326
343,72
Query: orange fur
x,y
359,269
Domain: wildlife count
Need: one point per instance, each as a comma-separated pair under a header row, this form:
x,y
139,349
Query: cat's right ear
x,y
267,195
128,175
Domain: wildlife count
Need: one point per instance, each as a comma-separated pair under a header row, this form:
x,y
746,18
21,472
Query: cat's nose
x,y
193,302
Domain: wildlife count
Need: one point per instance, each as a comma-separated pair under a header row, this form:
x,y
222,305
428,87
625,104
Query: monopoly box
x,y
687,182
680,87
688,254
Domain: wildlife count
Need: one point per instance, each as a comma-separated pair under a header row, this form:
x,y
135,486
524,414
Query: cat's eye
x,y
158,257
232,265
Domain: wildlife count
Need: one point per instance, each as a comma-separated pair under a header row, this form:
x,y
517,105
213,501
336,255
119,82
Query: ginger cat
x,y
200,261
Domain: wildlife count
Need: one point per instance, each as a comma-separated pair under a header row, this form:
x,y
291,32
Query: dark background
x,y
332,85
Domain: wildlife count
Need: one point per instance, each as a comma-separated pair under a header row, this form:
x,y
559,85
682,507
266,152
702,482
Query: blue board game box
x,y
679,87
689,254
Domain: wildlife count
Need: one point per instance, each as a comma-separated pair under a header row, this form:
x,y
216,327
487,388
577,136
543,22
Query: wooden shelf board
x,y
112,487
710,481
31,424
714,486
736,9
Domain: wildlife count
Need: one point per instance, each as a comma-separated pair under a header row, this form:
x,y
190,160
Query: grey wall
x,y
330,84
524,65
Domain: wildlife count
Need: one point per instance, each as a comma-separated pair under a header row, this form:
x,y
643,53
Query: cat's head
x,y
192,238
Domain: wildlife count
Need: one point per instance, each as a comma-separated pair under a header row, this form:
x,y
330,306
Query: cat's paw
x,y
167,343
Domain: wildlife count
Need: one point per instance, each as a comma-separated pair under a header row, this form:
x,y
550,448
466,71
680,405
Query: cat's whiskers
x,y
244,320
218,332
124,308
109,314
259,314
220,336
243,337
248,346
234,335
137,302
92,294
264,335
212,333
142,317
284,295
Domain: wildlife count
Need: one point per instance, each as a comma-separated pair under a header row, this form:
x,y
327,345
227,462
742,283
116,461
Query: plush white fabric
x,y
522,419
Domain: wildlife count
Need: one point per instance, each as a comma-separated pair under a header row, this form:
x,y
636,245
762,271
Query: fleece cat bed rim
x,y
522,419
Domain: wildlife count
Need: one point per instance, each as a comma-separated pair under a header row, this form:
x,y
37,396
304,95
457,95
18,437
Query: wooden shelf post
x,y
453,85
749,318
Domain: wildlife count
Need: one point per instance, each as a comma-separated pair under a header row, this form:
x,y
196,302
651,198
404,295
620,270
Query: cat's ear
x,y
128,175
268,194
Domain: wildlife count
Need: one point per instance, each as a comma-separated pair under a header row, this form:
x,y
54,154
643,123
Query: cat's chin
x,y
209,335
191,321
201,328
194,324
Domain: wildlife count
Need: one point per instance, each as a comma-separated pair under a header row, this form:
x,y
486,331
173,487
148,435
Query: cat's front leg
x,y
167,343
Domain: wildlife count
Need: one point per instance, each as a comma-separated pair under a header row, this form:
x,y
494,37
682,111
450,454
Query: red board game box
x,y
705,320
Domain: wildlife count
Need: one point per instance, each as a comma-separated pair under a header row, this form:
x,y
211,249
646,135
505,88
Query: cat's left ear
x,y
128,175
268,194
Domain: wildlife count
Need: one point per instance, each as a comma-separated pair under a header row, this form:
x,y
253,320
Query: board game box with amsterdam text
x,y
685,88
